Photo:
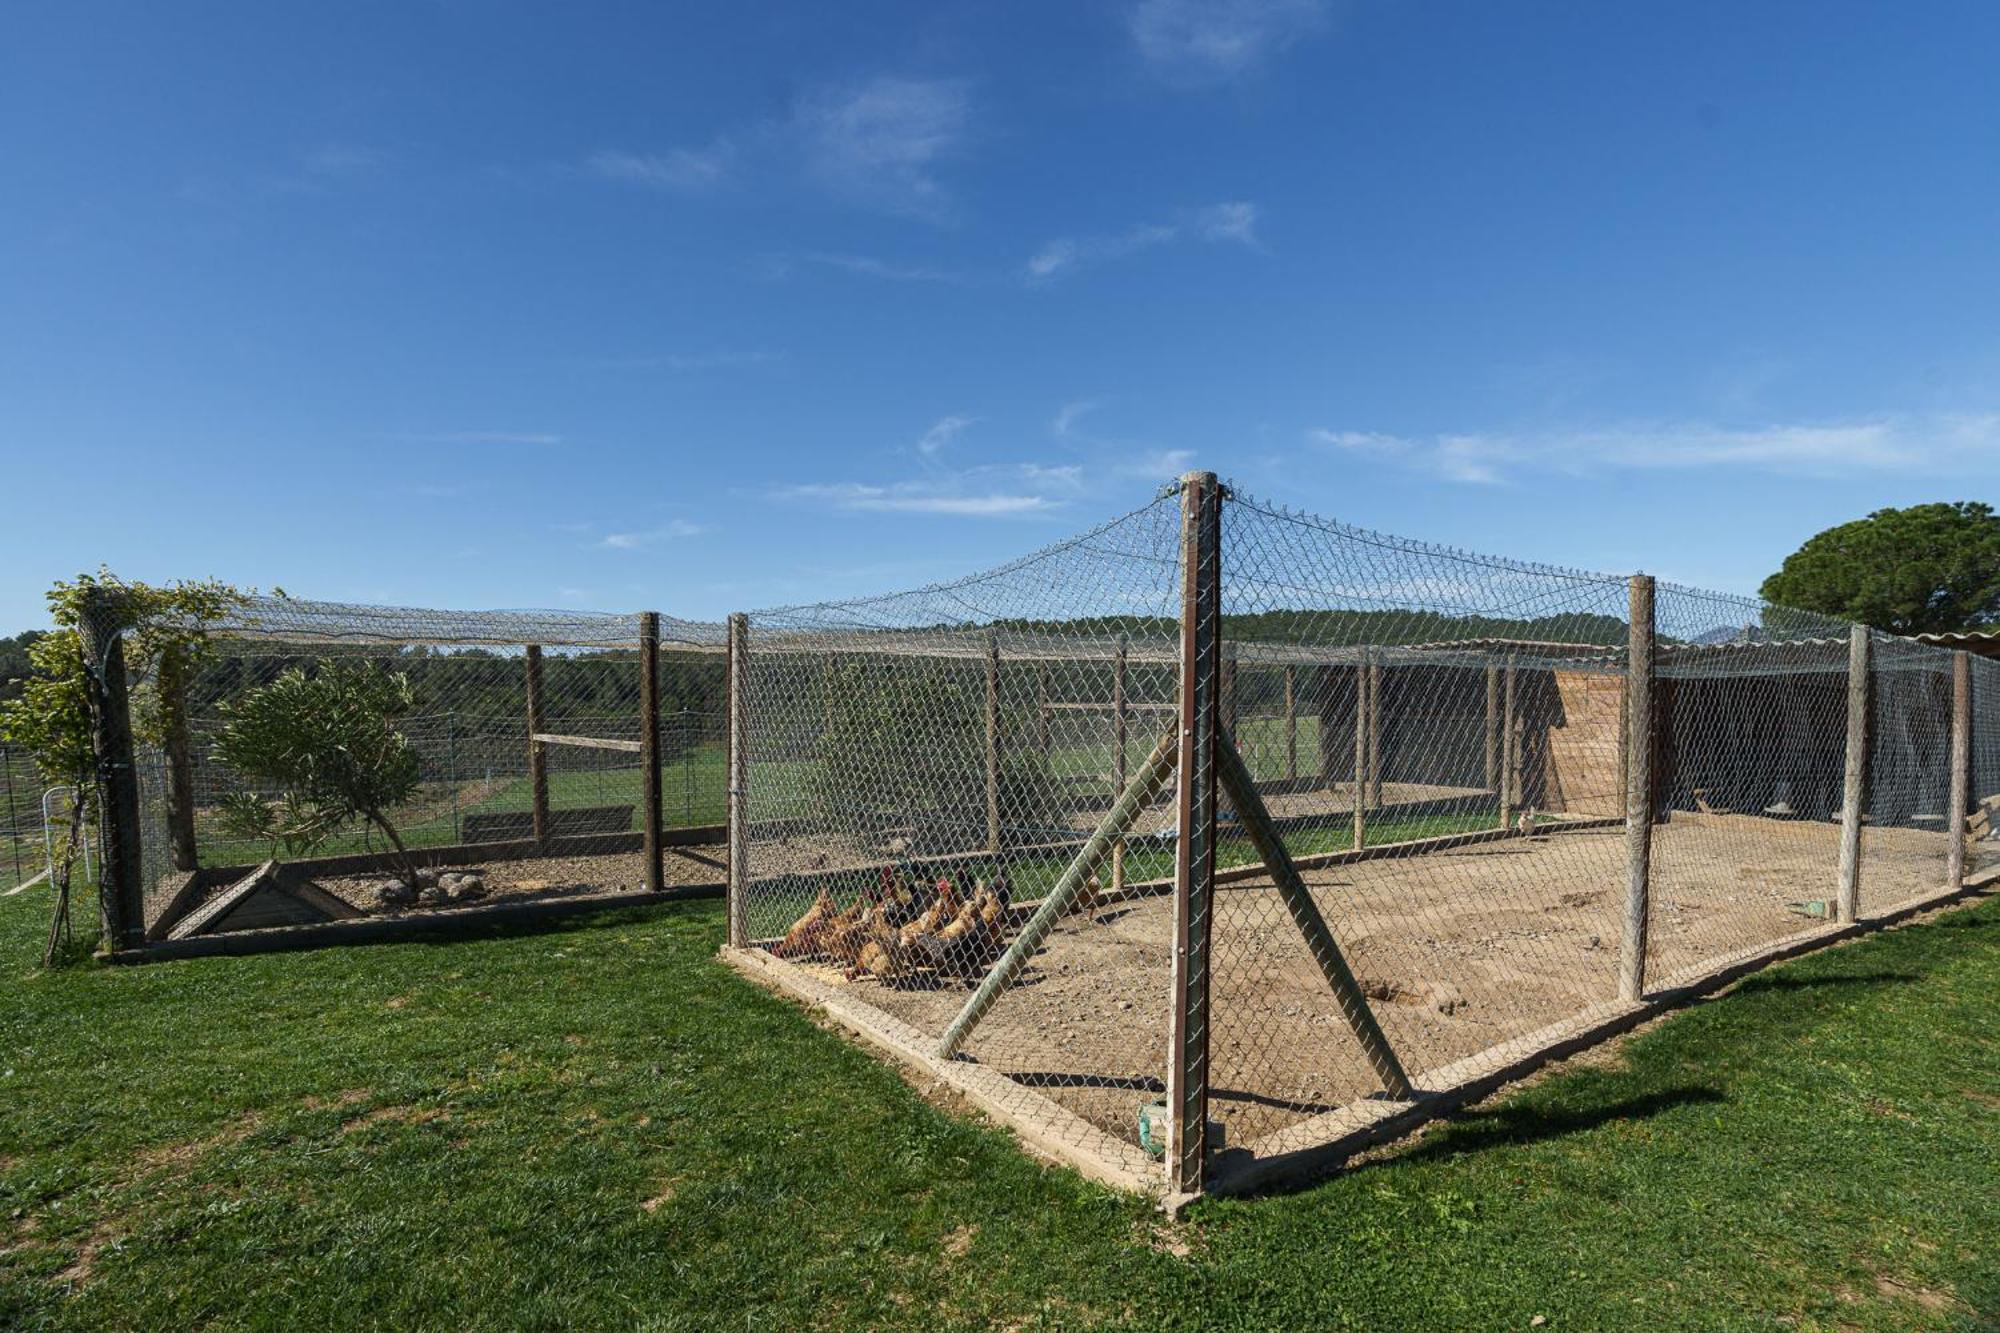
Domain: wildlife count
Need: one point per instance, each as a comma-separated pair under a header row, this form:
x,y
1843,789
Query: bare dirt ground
x,y
1459,950
545,877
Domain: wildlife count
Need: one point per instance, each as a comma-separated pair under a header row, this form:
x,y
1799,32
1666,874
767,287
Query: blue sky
x,y
701,307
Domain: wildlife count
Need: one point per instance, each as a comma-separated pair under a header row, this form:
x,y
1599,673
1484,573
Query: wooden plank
x,y
1854,777
588,742
450,922
538,769
652,820
1639,801
508,825
1305,913
1194,849
1044,1128
205,918
739,777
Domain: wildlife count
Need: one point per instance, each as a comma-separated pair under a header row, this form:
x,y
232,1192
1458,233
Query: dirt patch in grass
x,y
177,1158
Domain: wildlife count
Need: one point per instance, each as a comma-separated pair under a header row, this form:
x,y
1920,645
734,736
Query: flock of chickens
x,y
896,928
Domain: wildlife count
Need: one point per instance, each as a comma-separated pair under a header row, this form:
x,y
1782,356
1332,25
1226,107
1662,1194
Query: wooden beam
x,y
587,742
1138,794
739,778
1044,739
1638,788
538,764
1320,940
1194,850
1854,778
651,818
1959,764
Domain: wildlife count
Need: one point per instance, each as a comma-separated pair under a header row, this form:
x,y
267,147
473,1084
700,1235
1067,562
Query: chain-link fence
x,y
21,785
539,746
1224,834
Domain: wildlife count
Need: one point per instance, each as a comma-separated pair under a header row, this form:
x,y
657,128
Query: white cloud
x,y
632,541
867,266
1070,413
1937,444
1232,223
882,140
1000,490
686,169
907,498
491,437
1208,41
878,142
942,432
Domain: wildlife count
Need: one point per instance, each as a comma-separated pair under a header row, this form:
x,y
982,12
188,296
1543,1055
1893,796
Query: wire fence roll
x,y
1439,835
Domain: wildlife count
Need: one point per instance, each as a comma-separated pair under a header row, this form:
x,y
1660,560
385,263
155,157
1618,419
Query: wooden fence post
x,y
1491,734
1194,849
1960,797
1043,738
180,759
649,750
1638,789
1329,752
1506,788
1854,779
1291,724
1361,709
122,895
538,762
739,781
993,741
1118,760
1375,731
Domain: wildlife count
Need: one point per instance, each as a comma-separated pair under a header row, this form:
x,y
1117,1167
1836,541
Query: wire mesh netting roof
x,y
299,620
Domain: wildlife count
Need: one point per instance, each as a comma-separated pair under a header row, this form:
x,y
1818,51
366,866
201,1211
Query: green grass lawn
x,y
603,1127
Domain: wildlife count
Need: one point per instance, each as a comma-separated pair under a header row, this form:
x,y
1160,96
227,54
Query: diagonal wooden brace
x,y
1138,794
1256,821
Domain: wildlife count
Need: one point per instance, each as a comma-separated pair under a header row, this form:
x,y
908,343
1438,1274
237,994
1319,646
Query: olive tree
x,y
328,742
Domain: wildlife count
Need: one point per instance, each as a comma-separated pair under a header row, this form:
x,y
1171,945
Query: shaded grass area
x,y
602,1127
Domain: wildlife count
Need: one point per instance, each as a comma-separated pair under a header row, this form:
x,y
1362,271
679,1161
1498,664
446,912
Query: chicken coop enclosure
x,y
554,755
1218,841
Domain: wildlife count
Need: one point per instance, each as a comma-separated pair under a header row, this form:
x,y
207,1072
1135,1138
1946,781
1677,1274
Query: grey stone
x,y
432,896
394,893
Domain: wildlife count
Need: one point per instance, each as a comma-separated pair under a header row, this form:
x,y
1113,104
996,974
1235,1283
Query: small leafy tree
x,y
165,630
1931,568
329,743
